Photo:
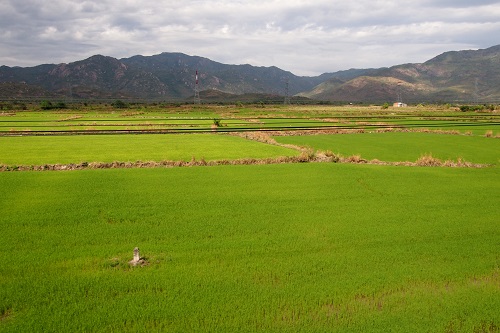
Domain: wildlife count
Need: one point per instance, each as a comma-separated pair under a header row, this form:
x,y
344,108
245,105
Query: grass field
x,y
306,247
398,146
36,150
310,247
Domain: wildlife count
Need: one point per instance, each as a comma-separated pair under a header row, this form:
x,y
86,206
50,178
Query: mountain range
x,y
472,75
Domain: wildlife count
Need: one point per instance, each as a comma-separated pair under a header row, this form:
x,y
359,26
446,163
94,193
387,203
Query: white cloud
x,y
304,37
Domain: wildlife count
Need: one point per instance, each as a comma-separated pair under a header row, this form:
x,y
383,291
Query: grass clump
x,y
428,160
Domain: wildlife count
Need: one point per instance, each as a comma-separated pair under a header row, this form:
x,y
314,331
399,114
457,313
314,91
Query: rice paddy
x,y
303,247
39,150
400,146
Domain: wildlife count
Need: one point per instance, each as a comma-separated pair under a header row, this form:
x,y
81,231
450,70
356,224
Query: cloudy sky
x,y
306,37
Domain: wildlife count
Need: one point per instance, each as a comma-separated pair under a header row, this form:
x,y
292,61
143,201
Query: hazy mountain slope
x,y
102,76
97,76
163,76
451,76
178,70
19,90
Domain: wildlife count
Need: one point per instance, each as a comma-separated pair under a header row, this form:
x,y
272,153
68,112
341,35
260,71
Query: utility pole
x,y
476,91
287,95
197,99
400,99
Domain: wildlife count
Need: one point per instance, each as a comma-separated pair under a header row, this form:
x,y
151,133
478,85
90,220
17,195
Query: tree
x,y
46,105
119,104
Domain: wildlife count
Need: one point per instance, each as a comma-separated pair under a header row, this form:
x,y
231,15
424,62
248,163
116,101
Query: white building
x,y
399,105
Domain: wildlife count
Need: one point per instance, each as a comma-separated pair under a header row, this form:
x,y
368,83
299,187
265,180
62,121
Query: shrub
x,y
48,105
119,104
465,108
5,106
60,105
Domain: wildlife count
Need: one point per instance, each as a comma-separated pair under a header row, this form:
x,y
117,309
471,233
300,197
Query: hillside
x,y
451,76
177,71
164,76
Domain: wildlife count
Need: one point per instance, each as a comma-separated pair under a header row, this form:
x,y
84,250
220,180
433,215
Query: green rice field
x,y
307,247
37,150
192,119
398,146
302,247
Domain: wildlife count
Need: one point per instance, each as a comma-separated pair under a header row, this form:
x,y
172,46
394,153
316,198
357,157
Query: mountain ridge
x,y
450,76
470,75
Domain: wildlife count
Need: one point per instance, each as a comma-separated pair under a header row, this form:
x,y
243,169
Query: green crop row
x,y
234,118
